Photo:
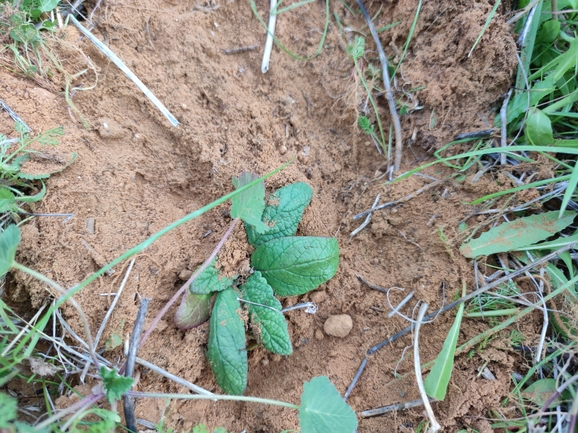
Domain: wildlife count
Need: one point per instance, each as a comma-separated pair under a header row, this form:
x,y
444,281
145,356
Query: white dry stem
x,y
367,218
172,377
23,331
114,302
269,40
120,64
395,310
418,377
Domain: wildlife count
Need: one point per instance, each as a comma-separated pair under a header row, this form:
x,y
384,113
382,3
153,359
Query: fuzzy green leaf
x,y
297,264
8,410
270,326
193,311
323,410
227,352
549,31
539,129
437,381
249,204
209,281
7,201
114,384
283,213
9,240
517,234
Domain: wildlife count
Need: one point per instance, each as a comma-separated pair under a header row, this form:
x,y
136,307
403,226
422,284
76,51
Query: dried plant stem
x,y
120,64
269,40
386,83
417,366
114,302
63,291
172,377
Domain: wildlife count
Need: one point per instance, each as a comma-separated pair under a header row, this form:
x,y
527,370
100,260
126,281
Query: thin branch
x,y
387,85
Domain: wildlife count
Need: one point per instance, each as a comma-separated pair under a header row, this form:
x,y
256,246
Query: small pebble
x,y
338,326
319,334
283,150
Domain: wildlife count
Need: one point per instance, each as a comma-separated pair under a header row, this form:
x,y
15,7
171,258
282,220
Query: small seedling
x,y
283,265
13,153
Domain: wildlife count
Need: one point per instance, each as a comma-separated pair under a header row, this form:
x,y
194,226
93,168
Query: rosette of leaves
x,y
283,265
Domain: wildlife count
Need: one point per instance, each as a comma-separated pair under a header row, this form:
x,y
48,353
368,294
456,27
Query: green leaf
x,y
297,264
8,410
516,235
7,201
541,390
114,384
269,326
549,31
323,410
282,213
539,129
227,352
9,240
209,281
47,5
437,381
193,311
249,204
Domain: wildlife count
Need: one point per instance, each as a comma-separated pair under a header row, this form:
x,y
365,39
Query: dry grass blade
x,y
417,366
120,64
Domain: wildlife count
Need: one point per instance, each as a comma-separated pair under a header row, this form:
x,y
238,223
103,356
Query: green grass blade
x,y
437,381
409,37
517,234
288,8
486,25
570,189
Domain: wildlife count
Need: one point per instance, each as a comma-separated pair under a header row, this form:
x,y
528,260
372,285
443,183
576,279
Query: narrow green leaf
x,y
33,198
227,352
249,204
297,264
9,240
517,234
269,326
539,128
209,281
193,311
114,384
323,410
570,189
437,381
282,213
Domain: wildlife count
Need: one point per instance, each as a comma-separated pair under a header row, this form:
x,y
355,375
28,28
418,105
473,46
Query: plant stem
x,y
179,293
387,85
62,291
212,397
493,313
75,408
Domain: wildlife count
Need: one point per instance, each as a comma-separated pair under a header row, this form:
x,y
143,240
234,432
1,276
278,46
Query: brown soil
x,y
135,174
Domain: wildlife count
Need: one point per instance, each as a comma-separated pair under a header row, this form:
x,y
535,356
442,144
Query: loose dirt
x,y
135,174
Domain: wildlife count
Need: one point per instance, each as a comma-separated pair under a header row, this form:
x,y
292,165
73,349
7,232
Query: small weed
x,y
284,265
13,153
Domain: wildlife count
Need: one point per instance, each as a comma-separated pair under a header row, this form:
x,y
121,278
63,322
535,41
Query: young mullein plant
x,y
283,265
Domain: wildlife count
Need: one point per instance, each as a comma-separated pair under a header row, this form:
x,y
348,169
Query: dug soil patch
x,y
135,174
